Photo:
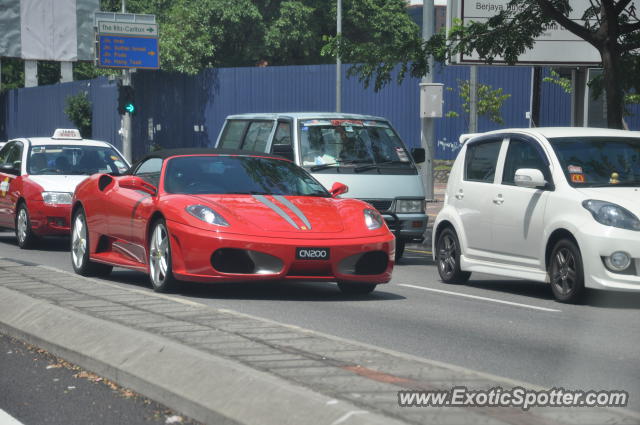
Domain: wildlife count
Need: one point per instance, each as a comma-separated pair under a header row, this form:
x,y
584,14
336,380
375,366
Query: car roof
x,y
168,153
306,115
44,141
557,132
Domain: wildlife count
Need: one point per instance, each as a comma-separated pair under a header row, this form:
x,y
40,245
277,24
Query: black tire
x,y
24,233
160,268
448,257
356,288
566,273
400,245
80,248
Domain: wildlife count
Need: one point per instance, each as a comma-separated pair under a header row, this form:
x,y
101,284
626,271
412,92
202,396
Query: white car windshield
x,y
74,159
347,142
599,161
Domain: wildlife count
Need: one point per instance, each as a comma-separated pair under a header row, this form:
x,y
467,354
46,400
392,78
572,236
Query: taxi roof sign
x,y
67,133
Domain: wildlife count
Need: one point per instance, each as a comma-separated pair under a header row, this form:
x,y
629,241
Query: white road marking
x,y
476,297
7,419
347,415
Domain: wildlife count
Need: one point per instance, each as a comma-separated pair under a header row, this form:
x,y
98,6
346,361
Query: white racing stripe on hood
x,y
58,183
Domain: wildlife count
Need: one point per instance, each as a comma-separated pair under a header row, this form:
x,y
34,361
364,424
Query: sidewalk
x,y
220,366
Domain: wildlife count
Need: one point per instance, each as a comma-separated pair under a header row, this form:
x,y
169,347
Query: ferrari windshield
x,y
343,142
74,159
599,161
217,174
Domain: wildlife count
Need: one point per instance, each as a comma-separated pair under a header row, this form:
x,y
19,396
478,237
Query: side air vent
x,y
104,181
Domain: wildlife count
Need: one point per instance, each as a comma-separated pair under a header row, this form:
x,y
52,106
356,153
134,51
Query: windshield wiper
x,y
324,166
371,166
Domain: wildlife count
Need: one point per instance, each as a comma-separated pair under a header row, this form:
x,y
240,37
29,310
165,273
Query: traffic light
x,y
126,100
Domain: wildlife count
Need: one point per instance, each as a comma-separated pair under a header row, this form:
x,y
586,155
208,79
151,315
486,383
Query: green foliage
x,y
562,82
78,110
489,101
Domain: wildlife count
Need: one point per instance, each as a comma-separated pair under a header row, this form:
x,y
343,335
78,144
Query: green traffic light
x,y
130,108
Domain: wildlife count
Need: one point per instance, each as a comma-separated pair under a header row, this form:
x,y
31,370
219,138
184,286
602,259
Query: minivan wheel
x,y
566,273
448,258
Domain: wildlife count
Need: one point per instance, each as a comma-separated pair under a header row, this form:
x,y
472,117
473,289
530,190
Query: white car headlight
x,y
206,214
410,205
373,219
611,214
57,198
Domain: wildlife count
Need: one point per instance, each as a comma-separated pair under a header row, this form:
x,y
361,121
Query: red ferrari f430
x,y
227,216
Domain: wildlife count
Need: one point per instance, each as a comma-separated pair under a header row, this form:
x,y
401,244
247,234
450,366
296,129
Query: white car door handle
x,y
459,195
498,200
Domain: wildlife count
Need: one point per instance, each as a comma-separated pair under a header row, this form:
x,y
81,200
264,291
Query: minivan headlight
x,y
206,214
611,214
410,205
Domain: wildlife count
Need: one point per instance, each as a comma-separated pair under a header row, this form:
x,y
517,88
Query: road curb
x,y
171,373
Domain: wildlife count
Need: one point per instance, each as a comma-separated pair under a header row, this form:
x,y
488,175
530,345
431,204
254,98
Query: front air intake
x,y
231,260
374,262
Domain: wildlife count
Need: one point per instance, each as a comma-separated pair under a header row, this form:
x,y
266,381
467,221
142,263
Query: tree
x,y
610,26
489,101
78,110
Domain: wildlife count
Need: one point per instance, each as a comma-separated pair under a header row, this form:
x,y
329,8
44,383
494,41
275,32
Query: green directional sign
x,y
130,108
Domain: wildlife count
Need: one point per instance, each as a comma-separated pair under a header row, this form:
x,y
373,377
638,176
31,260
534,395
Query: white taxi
x,y
38,176
557,205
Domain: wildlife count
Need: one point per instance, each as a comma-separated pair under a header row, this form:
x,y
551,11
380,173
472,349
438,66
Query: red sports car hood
x,y
275,213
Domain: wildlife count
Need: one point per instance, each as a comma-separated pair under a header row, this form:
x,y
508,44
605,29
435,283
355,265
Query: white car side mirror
x,y
529,177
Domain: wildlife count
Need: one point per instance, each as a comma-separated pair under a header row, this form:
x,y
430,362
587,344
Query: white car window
x,y
481,160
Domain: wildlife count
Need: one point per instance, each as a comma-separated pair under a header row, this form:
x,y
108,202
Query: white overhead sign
x,y
555,46
127,28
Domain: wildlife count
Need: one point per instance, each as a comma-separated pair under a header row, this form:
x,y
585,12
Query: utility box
x,y
431,100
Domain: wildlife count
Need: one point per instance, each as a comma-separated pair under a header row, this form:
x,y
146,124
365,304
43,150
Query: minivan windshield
x,y
363,144
74,159
599,161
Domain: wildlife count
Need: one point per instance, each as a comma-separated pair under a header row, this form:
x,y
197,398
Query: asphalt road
x,y
504,327
38,388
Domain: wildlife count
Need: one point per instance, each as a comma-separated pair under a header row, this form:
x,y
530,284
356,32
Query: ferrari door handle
x,y
459,195
498,200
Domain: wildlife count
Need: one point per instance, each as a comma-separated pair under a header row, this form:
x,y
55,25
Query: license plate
x,y
312,253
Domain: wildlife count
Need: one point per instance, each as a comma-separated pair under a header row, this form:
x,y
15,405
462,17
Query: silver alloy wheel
x,y
564,271
446,255
22,225
159,255
78,241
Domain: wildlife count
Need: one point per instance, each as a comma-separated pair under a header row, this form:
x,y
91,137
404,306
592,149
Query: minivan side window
x,y
480,161
232,135
283,134
522,154
257,136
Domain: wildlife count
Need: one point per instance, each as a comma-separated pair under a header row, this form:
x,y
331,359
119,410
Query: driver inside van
x,y
315,153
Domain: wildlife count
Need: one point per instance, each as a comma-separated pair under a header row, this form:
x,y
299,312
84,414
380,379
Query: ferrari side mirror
x,y
338,189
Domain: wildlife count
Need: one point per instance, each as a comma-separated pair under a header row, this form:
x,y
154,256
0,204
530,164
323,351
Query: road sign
x,y
127,28
555,46
120,51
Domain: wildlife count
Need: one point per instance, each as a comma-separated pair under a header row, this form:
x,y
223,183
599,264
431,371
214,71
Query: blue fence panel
x,y
555,104
106,121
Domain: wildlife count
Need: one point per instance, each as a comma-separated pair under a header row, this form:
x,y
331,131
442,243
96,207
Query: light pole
x,y
427,124
338,60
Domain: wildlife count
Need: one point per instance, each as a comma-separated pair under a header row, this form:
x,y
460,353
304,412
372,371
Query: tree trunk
x,y
612,86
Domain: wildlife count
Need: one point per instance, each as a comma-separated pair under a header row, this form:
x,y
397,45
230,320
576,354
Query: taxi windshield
x,y
74,160
346,142
598,161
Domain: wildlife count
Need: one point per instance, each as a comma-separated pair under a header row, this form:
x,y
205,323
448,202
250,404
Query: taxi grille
x,y
380,204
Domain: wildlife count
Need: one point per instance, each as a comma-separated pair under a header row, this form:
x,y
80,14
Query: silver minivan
x,y
364,152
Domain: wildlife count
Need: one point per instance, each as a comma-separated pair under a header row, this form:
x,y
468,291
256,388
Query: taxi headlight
x,y
410,206
57,198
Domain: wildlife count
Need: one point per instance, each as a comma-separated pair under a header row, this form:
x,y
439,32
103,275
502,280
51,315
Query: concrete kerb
x,y
171,373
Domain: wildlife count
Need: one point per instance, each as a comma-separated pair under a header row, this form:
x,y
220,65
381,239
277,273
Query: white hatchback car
x,y
557,205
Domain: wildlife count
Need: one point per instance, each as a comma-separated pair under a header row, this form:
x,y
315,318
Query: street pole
x,y
473,99
427,125
338,60
126,118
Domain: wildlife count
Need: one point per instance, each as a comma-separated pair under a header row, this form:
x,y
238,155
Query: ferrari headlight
x,y
206,214
57,198
611,214
373,219
410,206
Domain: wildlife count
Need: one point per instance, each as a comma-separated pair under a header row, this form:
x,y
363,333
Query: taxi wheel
x,y
566,273
448,257
24,234
356,288
80,248
160,270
